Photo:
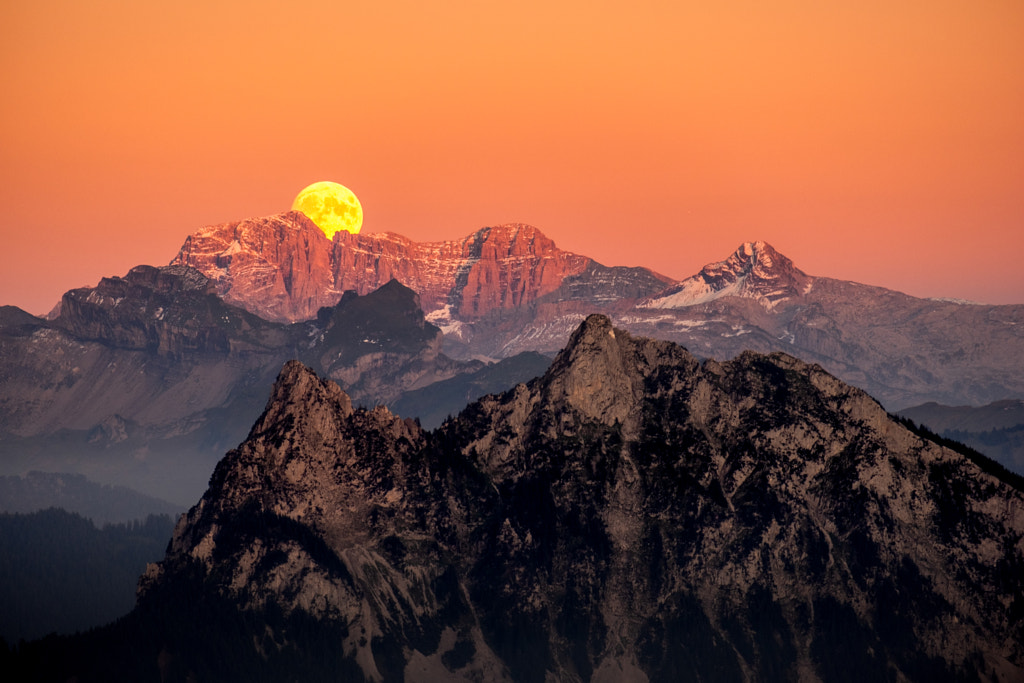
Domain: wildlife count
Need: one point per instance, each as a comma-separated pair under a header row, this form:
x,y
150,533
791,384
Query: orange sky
x,y
875,141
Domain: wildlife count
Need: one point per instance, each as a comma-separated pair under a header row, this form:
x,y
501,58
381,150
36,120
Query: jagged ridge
x,y
634,514
755,270
283,268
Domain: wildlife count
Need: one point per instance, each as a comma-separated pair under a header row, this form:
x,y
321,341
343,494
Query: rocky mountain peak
x,y
601,372
508,266
631,515
511,240
299,390
755,270
757,258
278,267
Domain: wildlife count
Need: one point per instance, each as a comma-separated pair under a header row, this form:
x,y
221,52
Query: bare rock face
x,y
167,310
634,514
269,266
283,268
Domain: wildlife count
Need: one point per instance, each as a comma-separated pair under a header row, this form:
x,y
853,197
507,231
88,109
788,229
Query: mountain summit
x,y
634,514
755,271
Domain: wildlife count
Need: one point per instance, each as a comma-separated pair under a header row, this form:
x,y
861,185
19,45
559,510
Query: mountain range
x,y
509,289
634,514
674,497
145,380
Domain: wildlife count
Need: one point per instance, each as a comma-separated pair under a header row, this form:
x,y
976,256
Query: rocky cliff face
x,y
169,311
633,515
270,266
283,268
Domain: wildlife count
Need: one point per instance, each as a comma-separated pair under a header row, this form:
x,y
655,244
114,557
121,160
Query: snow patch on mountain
x,y
754,271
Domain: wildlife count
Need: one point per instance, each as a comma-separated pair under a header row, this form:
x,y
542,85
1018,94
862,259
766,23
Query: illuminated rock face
x,y
283,268
634,514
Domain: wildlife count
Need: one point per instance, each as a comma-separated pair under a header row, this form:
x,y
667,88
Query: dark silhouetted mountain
x,y
13,318
379,346
996,429
509,289
633,514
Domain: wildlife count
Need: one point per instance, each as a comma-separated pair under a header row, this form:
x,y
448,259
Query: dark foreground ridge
x,y
632,515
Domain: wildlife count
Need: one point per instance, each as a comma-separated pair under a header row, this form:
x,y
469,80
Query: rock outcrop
x,y
634,514
169,311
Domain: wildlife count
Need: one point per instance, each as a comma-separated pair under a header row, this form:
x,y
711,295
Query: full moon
x,y
331,206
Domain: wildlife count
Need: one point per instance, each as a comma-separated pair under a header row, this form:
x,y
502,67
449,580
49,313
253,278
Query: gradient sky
x,y
881,142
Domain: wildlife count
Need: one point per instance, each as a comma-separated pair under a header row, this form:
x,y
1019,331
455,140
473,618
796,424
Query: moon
x,y
331,206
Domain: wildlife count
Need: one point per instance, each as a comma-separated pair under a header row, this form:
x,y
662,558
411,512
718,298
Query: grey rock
x,y
634,514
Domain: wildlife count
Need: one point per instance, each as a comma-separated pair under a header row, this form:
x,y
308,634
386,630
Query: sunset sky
x,y
881,142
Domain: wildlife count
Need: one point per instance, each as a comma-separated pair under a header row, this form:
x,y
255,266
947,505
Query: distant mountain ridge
x,y
509,289
146,380
76,494
755,271
996,429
